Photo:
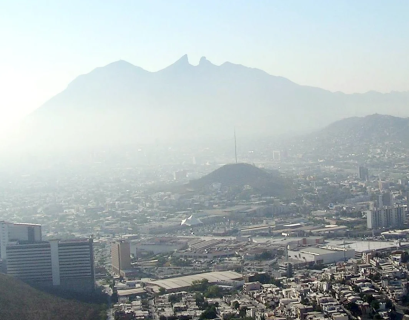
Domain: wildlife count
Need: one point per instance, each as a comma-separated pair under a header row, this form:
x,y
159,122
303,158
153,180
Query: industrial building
x,y
158,245
255,230
67,264
184,283
321,255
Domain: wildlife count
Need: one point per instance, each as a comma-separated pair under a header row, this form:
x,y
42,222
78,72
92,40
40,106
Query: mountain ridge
x,y
121,101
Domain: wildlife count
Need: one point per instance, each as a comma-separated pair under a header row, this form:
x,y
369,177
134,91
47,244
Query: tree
x,y
162,291
263,278
161,261
199,299
174,298
375,304
354,308
243,312
388,304
369,298
375,277
200,285
404,257
213,292
265,255
209,313
356,289
236,305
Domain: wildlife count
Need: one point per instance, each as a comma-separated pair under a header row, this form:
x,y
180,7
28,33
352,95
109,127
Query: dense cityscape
x,y
142,180
205,239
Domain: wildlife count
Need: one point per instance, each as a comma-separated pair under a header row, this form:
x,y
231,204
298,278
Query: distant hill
x,y
122,104
374,128
243,174
376,125
20,301
356,135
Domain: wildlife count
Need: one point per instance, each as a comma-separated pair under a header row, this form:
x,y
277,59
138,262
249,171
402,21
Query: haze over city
x,y
200,160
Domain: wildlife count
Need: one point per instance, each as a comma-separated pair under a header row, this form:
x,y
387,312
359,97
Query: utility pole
x,y
235,145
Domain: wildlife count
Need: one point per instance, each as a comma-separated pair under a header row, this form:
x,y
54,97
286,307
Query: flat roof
x,y
293,225
363,246
26,224
256,228
329,229
186,281
128,292
316,251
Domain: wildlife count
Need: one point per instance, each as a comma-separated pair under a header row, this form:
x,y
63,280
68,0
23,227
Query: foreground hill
x,y
241,175
20,301
122,103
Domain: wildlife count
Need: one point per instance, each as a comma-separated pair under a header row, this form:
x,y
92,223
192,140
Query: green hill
x,y
242,174
20,301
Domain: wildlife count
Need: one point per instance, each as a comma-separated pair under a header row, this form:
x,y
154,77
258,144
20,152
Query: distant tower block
x,y
276,155
363,173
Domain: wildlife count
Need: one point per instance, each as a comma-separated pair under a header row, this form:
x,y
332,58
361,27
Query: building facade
x,y
386,217
17,232
67,264
363,173
121,256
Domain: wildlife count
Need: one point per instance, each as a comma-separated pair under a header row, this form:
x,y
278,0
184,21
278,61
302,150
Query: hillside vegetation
x,y
236,176
20,301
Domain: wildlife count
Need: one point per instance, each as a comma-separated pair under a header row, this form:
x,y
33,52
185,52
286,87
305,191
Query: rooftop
x,y
186,281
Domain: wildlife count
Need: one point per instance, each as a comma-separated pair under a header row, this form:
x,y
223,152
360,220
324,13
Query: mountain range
x,y
122,104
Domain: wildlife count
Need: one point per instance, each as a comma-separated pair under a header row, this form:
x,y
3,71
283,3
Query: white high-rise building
x,y
68,264
386,217
24,232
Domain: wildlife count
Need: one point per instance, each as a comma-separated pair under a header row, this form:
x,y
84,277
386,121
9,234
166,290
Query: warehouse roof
x,y
129,292
186,281
316,251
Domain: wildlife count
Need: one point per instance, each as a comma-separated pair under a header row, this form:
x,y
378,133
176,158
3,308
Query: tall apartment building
x,y
386,199
276,155
26,232
121,256
68,264
363,173
385,217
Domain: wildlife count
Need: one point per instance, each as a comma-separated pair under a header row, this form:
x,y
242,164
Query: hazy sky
x,y
350,46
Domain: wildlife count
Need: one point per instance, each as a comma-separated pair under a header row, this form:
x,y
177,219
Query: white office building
x,y
68,264
25,232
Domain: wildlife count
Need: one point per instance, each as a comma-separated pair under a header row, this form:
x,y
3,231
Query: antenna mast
x,y
235,145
